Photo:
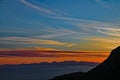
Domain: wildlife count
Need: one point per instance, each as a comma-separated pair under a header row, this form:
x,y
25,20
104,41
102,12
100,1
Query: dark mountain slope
x,y
71,76
107,70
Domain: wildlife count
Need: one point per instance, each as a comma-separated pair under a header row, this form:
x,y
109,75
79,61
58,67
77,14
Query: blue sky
x,y
60,24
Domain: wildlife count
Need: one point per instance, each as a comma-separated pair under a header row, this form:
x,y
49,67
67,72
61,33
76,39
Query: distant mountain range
x,y
107,70
58,63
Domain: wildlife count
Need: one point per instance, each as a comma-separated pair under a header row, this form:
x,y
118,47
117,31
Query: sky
x,y
56,30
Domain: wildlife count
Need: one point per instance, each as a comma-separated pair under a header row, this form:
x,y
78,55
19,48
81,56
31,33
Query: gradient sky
x,y
58,25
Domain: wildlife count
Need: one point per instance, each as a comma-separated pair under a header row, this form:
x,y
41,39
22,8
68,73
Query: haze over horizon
x,y
33,31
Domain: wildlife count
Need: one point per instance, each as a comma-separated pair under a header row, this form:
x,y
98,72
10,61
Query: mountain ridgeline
x,y
107,70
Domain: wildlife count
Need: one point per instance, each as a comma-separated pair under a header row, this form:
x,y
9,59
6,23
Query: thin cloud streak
x,y
105,40
105,5
49,54
110,31
53,32
37,41
47,11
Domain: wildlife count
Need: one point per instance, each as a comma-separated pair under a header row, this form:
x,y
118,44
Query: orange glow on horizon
x,y
24,60
37,56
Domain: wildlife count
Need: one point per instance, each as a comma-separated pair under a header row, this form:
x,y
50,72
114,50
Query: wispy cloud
x,y
44,10
104,28
37,41
104,4
84,27
54,32
110,31
101,27
105,40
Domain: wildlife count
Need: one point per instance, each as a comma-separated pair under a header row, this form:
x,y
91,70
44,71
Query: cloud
x,y
110,31
40,8
44,48
108,4
83,24
105,42
29,53
104,4
49,53
37,41
54,32
84,28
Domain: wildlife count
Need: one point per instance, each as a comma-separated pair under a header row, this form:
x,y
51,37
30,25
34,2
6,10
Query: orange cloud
x,y
49,53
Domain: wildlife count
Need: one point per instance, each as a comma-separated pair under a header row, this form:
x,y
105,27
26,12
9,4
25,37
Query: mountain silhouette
x,y
107,70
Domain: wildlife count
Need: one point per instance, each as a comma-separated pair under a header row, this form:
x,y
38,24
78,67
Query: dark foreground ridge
x,y
107,70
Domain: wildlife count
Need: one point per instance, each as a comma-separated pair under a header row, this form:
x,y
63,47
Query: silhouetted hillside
x,y
107,70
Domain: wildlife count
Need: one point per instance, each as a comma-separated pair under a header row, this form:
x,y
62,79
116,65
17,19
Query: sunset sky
x,y
33,31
